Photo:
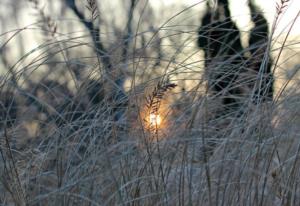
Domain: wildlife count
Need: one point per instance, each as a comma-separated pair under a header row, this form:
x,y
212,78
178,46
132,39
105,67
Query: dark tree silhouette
x,y
110,72
260,62
220,40
8,109
95,91
225,60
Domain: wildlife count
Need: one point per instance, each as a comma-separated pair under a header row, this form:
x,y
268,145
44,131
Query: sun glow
x,y
154,119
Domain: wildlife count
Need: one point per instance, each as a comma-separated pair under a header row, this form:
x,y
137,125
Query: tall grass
x,y
72,134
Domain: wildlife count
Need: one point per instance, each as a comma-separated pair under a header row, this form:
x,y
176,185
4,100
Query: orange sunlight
x,y
154,120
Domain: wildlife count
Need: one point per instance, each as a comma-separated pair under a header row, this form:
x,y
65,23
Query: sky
x,y
163,9
240,11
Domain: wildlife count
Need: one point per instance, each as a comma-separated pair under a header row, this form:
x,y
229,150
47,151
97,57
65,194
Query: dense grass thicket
x,y
182,113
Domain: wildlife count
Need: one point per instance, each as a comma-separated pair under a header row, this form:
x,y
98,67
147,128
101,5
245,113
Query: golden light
x,y
154,119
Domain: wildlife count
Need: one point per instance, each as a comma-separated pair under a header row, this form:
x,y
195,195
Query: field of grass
x,y
94,118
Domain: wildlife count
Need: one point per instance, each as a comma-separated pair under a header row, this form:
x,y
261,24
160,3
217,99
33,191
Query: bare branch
x,y
95,33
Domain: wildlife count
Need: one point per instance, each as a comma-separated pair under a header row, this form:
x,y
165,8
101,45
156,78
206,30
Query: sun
x,y
154,119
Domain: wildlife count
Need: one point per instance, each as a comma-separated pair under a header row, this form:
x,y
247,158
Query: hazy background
x,y
72,136
179,29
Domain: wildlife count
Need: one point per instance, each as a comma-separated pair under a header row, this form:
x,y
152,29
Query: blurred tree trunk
x,y
225,61
220,40
260,61
235,78
115,78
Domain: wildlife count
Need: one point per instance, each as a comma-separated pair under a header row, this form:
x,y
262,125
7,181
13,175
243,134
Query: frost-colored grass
x,y
66,147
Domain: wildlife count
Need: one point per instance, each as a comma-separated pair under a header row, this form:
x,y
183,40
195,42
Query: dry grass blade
x,y
280,6
49,24
153,102
91,115
93,8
